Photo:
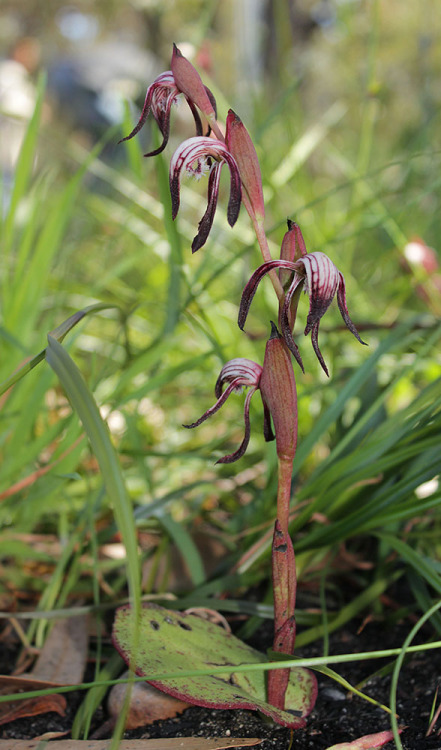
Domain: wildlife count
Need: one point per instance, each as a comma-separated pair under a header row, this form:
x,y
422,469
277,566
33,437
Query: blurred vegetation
x,y
346,123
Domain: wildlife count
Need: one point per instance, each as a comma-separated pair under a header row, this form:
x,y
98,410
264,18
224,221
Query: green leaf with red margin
x,y
171,643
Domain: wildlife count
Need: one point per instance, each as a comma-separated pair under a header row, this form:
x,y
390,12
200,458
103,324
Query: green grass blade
x,y
175,253
24,167
84,404
59,334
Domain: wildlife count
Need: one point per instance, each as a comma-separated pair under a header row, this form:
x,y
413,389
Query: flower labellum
x,y
241,146
196,156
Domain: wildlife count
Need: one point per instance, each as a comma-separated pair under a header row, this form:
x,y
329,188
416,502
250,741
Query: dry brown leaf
x,y
64,654
180,743
32,707
62,661
147,704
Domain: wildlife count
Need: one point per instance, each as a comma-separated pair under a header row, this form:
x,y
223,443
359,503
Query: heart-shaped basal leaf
x,y
172,642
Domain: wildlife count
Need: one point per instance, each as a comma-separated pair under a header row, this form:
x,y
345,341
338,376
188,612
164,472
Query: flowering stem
x,y
217,130
284,586
279,393
284,492
263,245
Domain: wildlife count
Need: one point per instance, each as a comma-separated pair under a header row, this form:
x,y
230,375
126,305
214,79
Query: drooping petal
x,y
196,117
341,301
285,320
315,346
206,222
236,383
163,119
237,373
251,286
268,433
229,459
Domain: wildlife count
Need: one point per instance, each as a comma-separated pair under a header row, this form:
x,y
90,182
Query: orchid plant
x,y
295,270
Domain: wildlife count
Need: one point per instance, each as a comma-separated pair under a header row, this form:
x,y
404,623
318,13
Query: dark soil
x,y
337,717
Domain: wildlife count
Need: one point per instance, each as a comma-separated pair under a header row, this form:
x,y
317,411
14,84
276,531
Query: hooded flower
x,y
321,280
238,373
197,156
184,79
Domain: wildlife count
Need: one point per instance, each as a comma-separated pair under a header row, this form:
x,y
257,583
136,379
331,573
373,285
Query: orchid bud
x,y
189,82
278,389
241,146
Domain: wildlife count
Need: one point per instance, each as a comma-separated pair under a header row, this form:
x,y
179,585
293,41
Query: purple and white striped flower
x,y
161,95
198,156
321,280
238,373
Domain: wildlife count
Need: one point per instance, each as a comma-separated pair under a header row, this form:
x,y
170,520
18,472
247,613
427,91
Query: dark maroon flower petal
x,y
314,341
163,120
175,192
268,433
206,222
196,117
341,301
285,323
220,402
251,287
143,118
244,444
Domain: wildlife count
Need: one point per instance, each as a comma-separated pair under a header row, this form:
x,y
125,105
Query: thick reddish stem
x,y
284,586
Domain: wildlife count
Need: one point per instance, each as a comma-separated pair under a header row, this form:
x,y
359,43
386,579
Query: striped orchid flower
x,y
321,280
198,156
276,383
238,374
165,91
